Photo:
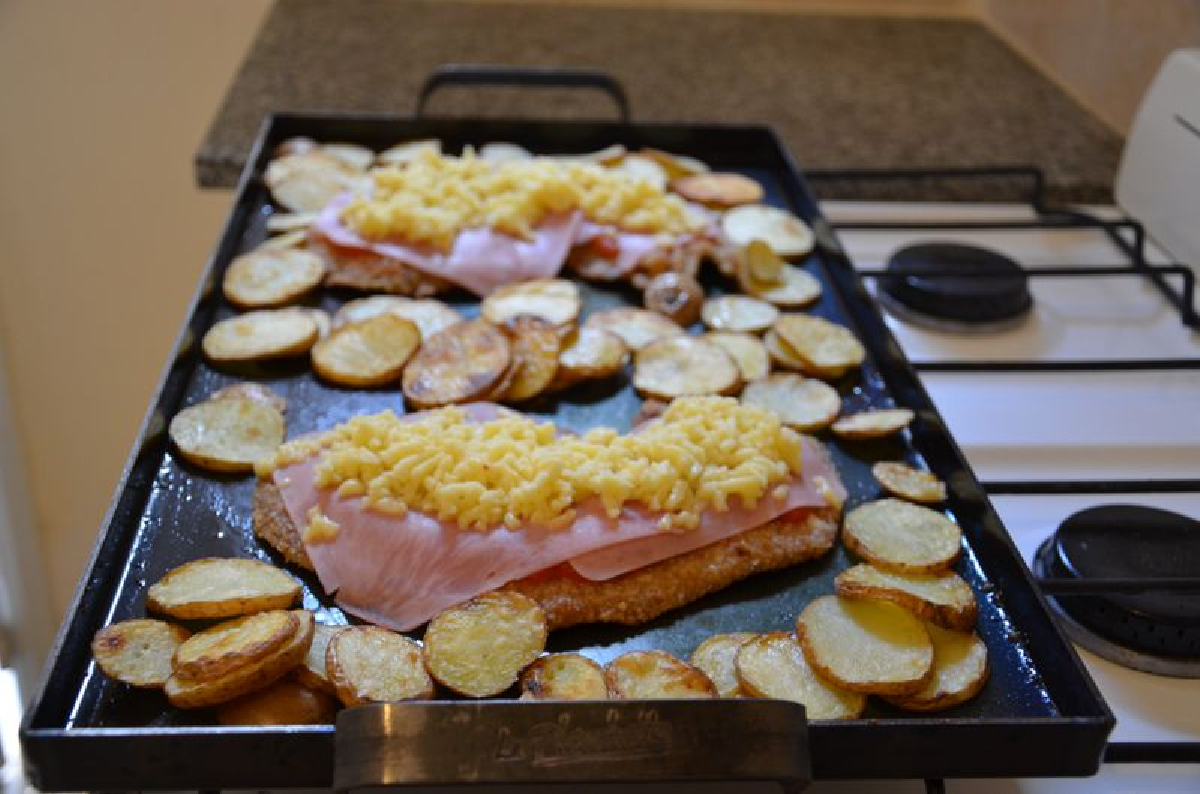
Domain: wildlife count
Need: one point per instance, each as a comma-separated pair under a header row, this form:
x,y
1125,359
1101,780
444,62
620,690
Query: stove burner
x,y
1157,632
963,304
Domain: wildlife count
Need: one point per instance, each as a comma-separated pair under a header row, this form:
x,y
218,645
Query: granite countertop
x,y
843,92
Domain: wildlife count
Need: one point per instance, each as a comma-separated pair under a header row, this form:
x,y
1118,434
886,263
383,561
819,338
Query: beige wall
x,y
1105,52
104,234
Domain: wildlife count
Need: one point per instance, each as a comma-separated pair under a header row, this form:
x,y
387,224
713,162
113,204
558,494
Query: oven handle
x,y
457,74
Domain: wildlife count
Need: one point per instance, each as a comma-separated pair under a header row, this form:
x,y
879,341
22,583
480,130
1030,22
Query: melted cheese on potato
x,y
433,198
512,471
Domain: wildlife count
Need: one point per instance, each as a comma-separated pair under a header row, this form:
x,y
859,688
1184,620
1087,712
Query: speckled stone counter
x,y
843,92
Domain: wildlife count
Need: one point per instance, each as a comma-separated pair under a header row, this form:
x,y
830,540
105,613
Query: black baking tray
x,y
1039,714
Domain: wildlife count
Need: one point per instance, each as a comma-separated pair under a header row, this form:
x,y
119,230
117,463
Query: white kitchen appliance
x,y
1070,377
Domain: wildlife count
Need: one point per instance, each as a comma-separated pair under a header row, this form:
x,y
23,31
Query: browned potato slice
x,y
297,238
773,666
458,364
803,403
866,646
644,168
747,351
319,316
797,288
738,313
260,335
589,354
902,537
960,670
552,299
307,181
503,152
677,296
563,676
826,349
535,346
479,648
639,675
273,278
683,366
296,145
636,327
873,424
780,353
188,693
217,587
430,315
942,598
676,165
222,648
253,391
290,221
367,353
312,672
402,153
759,267
368,664
717,656
227,434
784,232
350,154
900,479
138,652
282,703
718,189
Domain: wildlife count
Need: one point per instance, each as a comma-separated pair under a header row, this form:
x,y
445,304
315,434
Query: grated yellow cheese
x,y
432,198
321,528
702,453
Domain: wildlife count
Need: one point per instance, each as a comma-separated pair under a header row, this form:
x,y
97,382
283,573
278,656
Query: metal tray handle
x,y
522,77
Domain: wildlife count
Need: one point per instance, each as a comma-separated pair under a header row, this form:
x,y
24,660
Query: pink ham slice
x,y
400,572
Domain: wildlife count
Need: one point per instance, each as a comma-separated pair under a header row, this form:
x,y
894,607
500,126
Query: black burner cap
x,y
963,299
1132,541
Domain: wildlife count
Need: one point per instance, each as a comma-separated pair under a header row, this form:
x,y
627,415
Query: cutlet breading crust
x,y
636,597
366,270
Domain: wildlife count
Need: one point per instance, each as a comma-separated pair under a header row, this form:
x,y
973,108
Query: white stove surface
x,y
1056,426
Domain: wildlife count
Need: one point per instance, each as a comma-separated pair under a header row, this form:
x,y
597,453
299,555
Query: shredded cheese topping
x,y
432,198
514,472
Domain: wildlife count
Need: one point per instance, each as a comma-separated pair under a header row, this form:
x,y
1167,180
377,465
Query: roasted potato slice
x,y
297,238
554,300
222,648
797,288
219,587
960,669
901,537
941,598
717,657
676,165
747,351
282,703
827,349
307,181
429,314
780,353
654,675
367,353
350,155
589,354
677,296
683,366
368,664
189,693
457,364
227,434
504,152
273,278
535,347
784,232
312,672
758,267
138,652
290,221
479,648
773,666
902,480
873,424
403,152
260,335
563,676
252,391
870,647
803,403
320,317
636,327
717,189
738,313
644,168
